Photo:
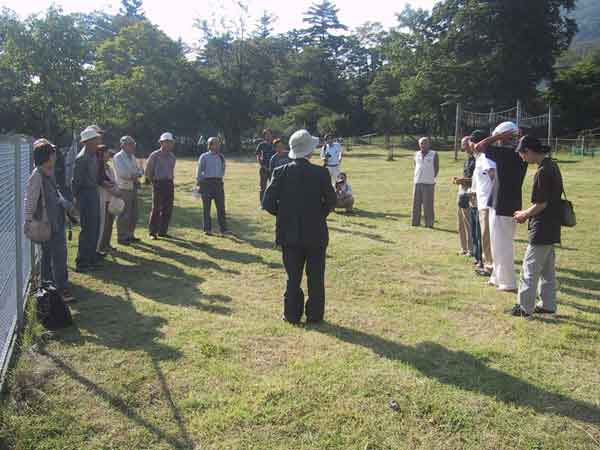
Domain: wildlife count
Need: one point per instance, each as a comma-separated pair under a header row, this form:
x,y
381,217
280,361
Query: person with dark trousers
x,y
85,191
209,176
264,153
301,196
160,171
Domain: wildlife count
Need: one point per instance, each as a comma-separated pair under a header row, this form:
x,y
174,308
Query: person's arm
x,y
200,174
150,167
483,146
78,175
32,196
436,164
535,210
259,153
271,198
329,195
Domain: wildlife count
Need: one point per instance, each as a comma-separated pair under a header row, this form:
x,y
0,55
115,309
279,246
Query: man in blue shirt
x,y
211,170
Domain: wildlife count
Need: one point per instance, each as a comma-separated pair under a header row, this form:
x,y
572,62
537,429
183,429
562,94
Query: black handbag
x,y
567,212
52,312
464,201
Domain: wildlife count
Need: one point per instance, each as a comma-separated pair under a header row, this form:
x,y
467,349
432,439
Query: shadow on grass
x,y
577,306
463,370
377,215
558,319
371,236
113,322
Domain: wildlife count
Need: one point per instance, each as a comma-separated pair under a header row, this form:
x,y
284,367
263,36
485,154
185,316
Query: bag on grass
x,y
567,212
52,312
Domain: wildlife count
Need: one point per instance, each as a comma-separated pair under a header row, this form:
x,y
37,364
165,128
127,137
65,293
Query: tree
x,y
132,8
265,25
323,21
576,91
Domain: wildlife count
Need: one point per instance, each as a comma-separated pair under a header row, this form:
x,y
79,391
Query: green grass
x,y
179,344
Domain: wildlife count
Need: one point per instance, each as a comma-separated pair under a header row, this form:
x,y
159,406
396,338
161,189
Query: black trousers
x,y
213,189
264,181
295,260
163,194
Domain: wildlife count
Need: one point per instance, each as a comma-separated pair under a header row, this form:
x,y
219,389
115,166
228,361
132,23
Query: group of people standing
x,y
490,206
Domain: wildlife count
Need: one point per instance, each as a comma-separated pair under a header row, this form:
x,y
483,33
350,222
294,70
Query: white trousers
x,y
502,235
334,172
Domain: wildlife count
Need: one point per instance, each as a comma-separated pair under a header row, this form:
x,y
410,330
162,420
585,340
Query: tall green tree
x,y
132,8
324,27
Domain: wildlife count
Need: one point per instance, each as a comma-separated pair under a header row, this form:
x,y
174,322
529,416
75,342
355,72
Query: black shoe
x,y
134,239
154,237
100,255
483,272
208,233
517,311
125,243
313,321
85,268
540,310
165,235
291,322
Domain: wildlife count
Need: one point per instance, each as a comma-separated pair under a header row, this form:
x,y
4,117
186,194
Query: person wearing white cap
x,y
505,200
128,174
85,191
160,171
301,196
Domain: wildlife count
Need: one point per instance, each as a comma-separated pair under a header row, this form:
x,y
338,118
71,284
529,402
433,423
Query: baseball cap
x,y
166,137
126,140
478,136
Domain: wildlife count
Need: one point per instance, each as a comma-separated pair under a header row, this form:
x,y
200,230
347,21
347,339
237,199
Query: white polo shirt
x,y
335,154
482,184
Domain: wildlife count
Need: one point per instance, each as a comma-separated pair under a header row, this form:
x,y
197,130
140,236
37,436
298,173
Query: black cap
x,y
528,142
478,136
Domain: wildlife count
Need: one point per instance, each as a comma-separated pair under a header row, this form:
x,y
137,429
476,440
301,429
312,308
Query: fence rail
x,y
17,254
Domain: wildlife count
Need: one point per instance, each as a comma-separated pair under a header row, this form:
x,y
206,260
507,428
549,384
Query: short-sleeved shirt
x,y
483,184
468,169
162,165
507,196
544,229
265,152
332,154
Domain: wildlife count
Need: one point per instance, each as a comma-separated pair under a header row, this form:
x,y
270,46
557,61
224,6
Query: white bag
x,y
116,206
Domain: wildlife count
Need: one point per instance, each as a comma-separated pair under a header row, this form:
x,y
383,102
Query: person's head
x,y
279,146
531,150
167,142
302,145
329,138
509,129
341,178
91,139
128,144
100,132
465,144
267,135
476,137
424,144
214,144
103,153
44,155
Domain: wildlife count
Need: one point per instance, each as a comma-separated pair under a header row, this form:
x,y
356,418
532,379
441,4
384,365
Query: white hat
x,y
505,127
88,134
166,137
302,144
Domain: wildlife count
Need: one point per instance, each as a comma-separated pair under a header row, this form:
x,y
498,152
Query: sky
x,y
177,17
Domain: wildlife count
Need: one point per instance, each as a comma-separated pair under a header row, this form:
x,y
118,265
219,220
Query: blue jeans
x,y
54,257
476,234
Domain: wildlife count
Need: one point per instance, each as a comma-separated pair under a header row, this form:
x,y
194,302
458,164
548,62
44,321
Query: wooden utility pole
x,y
457,131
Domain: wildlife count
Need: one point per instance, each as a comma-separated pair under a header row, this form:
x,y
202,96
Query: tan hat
x,y
42,142
88,134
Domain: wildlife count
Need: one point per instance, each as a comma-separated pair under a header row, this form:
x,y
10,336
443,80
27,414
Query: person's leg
x,y
103,212
135,213
206,202
428,202
548,281
315,274
156,209
417,200
349,204
294,259
106,230
463,231
167,208
58,246
220,204
533,261
89,209
124,219
46,262
264,179
493,244
486,248
504,258
475,234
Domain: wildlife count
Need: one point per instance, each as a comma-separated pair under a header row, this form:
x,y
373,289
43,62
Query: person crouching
x,y
343,192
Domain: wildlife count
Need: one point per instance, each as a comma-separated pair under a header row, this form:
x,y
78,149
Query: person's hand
x,y
454,180
520,216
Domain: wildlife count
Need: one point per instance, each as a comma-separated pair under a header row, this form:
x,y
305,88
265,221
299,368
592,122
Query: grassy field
x,y
179,344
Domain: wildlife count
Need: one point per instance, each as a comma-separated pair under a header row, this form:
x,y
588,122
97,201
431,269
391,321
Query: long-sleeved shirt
x,y
160,166
210,165
85,172
127,170
39,184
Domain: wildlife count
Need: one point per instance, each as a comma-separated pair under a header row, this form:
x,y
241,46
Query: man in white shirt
x,y
127,174
483,186
331,154
427,167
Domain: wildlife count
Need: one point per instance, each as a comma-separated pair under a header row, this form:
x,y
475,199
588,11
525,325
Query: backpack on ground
x,y
52,312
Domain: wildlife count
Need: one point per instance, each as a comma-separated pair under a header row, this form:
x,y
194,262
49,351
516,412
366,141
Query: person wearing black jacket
x,y
301,196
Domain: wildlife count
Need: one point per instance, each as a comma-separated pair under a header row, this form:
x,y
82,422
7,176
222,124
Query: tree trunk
x,y
389,147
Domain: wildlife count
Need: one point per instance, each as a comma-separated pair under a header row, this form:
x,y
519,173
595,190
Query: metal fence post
x,y
19,233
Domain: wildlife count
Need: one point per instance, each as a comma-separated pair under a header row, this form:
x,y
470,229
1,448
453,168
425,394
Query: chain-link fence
x,y
16,252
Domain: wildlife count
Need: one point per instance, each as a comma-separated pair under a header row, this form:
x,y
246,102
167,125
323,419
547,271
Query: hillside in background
x,y
587,15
